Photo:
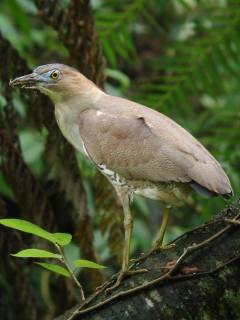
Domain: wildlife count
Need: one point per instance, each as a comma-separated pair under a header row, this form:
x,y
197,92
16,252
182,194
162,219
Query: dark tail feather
x,y
202,190
228,195
206,192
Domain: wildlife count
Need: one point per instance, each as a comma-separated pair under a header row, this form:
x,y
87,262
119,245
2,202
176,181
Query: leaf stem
x,y
60,249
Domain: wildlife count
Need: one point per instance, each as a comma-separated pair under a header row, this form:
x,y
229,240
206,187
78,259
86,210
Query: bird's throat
x,y
67,121
68,111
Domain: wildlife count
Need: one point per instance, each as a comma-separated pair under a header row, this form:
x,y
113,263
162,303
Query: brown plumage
x,y
138,149
142,144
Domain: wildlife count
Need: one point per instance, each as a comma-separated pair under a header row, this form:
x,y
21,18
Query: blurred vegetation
x,y
180,57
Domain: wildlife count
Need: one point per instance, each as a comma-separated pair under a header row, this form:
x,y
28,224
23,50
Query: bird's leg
x,y
158,245
128,226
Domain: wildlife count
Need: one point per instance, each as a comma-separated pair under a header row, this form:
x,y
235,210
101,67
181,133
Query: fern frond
x,y
196,66
115,23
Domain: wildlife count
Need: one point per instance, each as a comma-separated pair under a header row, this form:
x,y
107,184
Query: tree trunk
x,y
204,284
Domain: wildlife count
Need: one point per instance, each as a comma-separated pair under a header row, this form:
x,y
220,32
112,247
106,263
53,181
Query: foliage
x,y
59,240
179,57
62,239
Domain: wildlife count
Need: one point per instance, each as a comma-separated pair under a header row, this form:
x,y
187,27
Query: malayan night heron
x,y
139,150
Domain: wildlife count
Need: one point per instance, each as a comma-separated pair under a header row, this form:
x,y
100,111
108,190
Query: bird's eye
x,y
55,75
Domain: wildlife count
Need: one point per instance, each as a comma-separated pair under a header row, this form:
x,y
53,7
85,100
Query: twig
x,y
71,271
233,221
164,277
204,273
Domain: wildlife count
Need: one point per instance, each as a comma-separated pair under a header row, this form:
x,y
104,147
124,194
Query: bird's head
x,y
58,81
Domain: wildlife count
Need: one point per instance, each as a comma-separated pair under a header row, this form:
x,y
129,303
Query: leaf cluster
x,y
58,239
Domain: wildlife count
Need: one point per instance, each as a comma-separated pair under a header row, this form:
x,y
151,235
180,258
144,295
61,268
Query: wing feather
x,y
140,143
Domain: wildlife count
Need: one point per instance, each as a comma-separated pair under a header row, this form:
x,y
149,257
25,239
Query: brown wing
x,y
149,146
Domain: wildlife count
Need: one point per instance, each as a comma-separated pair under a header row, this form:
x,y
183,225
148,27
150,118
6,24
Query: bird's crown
x,y
54,66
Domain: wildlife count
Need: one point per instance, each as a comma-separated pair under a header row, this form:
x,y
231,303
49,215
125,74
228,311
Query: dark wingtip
x,y
208,193
227,196
202,190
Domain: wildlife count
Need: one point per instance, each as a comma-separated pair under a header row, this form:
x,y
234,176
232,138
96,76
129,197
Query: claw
x,y
154,249
166,247
123,274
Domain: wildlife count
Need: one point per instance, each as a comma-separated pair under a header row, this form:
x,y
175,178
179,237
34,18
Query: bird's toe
x,y
155,248
166,247
123,274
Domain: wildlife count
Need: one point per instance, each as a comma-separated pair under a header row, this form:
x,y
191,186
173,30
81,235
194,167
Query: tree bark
x,y
205,284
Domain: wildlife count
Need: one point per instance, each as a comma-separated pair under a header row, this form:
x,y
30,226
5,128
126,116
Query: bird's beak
x,y
29,81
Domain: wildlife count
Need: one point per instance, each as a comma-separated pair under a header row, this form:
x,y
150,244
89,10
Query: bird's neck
x,y
79,101
69,109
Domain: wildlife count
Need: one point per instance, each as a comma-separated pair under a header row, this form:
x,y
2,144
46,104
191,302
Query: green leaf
x,y
54,268
109,53
87,264
22,225
119,76
28,227
62,238
36,253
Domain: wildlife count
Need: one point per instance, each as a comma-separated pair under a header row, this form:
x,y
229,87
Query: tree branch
x,y
204,263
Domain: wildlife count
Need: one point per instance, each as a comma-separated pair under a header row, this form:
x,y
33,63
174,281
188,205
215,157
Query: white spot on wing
x,y
99,113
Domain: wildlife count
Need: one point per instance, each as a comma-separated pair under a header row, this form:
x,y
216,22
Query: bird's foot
x,y
123,274
166,247
155,248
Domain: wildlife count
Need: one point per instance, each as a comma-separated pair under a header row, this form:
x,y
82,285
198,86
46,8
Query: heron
x,y
139,150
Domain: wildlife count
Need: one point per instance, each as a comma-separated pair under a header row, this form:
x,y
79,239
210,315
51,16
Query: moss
x,y
156,296
232,299
169,313
224,274
205,316
207,287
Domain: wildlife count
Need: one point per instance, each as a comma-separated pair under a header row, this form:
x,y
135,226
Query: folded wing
x,y
142,144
